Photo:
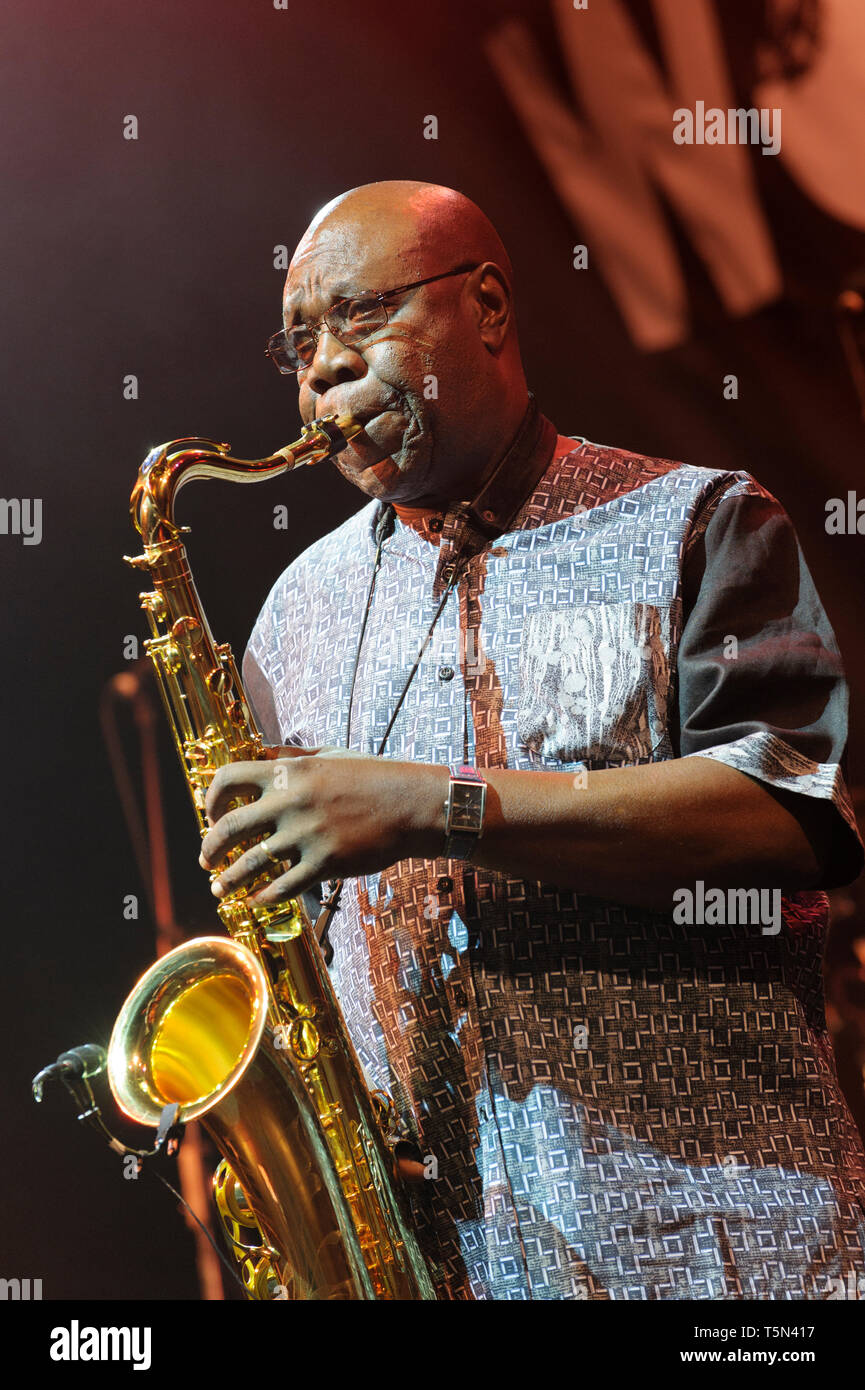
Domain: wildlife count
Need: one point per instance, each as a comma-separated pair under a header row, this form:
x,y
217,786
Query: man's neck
x,y
491,503
471,480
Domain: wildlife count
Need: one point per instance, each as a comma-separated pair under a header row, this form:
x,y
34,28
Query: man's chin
x,y
378,479
378,460
384,435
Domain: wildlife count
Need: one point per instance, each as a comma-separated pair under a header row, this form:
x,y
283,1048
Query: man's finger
x,y
410,1169
232,781
289,885
241,824
247,868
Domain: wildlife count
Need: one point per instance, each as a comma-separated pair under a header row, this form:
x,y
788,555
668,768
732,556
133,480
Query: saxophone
x,y
244,1031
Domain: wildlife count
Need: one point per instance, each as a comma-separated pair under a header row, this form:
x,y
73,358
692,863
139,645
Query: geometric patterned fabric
x,y
615,1106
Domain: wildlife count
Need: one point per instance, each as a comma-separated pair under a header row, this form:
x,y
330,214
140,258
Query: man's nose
x,y
333,363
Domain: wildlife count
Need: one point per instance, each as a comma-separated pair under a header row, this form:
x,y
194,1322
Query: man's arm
x,y
761,696
635,834
632,834
755,800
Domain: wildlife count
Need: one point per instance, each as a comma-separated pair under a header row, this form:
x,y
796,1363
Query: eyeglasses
x,y
350,320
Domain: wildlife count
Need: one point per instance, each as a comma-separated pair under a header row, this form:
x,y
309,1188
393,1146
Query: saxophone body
x,y
244,1031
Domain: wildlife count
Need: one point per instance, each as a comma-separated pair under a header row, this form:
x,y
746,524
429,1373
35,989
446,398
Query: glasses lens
x,y
291,351
352,320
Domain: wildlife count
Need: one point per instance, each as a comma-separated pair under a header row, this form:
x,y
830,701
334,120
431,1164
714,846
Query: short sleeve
x,y
761,684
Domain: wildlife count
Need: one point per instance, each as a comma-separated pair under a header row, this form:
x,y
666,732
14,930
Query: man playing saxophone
x,y
580,936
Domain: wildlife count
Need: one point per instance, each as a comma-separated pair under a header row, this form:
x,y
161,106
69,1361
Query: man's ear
x,y
494,305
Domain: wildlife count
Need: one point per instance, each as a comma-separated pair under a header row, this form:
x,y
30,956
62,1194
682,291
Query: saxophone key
x,y
218,680
189,628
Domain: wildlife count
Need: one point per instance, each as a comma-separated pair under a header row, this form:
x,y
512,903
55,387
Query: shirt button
x,y
446,673
435,523
444,884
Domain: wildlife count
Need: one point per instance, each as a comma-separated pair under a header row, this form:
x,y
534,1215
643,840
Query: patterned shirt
x,y
613,1103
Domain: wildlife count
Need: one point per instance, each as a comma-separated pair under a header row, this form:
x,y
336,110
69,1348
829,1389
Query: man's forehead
x,y
330,265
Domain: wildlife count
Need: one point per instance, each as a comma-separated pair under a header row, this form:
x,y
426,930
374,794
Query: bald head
x,y
410,224
437,381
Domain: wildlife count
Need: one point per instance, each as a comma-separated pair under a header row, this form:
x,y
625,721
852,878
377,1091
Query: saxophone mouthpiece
x,y
322,440
348,426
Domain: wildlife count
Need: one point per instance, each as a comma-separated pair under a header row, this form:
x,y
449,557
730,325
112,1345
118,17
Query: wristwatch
x,y
464,811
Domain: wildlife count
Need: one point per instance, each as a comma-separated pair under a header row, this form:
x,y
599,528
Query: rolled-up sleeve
x,y
760,679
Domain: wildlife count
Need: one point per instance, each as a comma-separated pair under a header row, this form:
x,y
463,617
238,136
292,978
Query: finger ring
x,y
274,858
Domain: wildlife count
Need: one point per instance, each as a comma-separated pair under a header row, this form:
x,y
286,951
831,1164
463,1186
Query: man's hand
x,y
328,813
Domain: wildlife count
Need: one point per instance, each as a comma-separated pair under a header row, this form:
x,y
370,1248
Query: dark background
x,y
155,257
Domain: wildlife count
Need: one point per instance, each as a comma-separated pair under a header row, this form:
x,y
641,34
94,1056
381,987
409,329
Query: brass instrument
x,y
245,1033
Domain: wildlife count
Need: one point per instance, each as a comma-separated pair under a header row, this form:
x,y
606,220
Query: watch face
x,y
467,807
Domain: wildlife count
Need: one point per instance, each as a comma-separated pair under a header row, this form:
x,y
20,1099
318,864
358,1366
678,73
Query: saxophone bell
x,y
194,1033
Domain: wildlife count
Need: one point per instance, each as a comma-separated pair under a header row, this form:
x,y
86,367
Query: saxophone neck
x,y
169,467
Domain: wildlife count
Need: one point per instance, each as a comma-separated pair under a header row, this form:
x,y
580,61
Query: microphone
x,y
78,1064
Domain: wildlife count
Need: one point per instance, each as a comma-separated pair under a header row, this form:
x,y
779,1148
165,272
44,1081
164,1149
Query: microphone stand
x,y
150,845
850,320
